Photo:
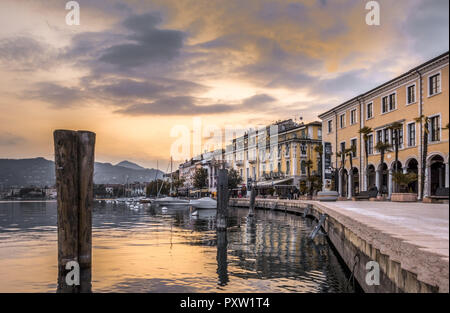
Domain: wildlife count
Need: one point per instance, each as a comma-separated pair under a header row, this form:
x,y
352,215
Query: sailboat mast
x,y
171,177
157,169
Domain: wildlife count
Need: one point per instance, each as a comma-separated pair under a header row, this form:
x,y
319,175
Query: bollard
x,y
74,170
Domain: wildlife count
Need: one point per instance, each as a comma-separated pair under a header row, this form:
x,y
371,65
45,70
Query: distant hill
x,y
130,165
41,172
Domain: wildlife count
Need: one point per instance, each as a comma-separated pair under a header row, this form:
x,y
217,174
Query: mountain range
x,y
41,172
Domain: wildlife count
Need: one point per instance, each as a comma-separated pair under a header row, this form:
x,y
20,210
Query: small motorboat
x,y
168,201
204,203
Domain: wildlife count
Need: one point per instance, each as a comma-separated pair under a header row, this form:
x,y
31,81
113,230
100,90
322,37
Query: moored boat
x,y
204,203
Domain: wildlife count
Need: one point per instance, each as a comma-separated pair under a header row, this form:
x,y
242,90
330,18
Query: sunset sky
x,y
132,70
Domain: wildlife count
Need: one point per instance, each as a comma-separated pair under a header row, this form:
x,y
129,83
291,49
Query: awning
x,y
271,183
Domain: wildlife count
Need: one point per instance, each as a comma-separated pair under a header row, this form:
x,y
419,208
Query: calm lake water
x,y
158,250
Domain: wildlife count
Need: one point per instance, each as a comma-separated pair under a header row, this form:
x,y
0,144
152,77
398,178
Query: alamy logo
x,y
73,277
373,276
373,17
73,17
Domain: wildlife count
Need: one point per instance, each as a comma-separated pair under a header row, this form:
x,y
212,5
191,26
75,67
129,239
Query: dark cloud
x,y
145,89
8,139
148,43
186,105
56,95
426,27
25,54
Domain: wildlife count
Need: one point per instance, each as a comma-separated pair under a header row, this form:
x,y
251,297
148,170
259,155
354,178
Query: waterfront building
x,y
211,161
277,154
421,91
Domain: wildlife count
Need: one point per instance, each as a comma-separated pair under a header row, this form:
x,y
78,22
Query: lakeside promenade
x,y
410,241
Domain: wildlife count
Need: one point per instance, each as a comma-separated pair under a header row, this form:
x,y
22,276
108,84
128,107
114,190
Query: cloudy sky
x,y
133,70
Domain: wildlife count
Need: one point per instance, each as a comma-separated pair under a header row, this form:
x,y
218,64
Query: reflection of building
x,y
277,154
422,90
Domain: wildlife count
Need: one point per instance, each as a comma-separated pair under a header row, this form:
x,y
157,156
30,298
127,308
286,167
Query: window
x,y
369,110
303,167
303,149
400,137
434,84
342,146
342,120
411,94
411,135
370,144
248,173
392,104
384,106
353,143
330,126
287,150
388,103
386,135
435,128
379,136
353,116
288,167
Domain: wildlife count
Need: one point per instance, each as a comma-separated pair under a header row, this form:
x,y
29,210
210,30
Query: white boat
x,y
204,203
168,201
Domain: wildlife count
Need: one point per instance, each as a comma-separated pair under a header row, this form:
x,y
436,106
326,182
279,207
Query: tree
x,y
309,165
404,180
201,178
177,183
365,132
319,150
423,119
157,186
383,147
234,179
349,152
395,128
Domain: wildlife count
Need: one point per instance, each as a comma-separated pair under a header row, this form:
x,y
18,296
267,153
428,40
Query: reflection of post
x,y
74,164
251,210
251,228
222,263
222,200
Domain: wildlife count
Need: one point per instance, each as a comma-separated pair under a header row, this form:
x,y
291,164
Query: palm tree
x,y
382,147
425,120
349,152
309,165
366,131
395,128
341,155
319,150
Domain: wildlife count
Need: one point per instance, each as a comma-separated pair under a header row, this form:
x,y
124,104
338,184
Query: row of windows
x,y
388,136
389,102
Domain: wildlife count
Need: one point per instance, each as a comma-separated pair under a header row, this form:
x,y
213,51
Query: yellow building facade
x,y
422,91
278,153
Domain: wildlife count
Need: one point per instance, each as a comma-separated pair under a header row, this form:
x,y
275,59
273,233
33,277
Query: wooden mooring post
x,y
74,168
222,200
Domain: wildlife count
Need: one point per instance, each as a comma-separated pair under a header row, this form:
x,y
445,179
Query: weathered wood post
x,y
74,167
86,158
222,200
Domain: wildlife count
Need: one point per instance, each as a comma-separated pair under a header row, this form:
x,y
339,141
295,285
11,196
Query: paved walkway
x,y
423,225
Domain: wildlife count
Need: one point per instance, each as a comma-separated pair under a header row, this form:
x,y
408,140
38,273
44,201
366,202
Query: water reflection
x,y
171,250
